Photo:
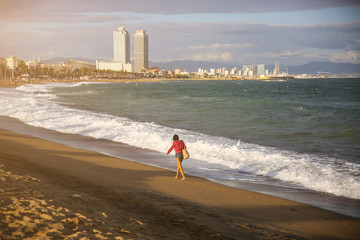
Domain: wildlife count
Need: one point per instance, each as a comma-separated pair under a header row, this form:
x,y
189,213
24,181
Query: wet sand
x,y
52,191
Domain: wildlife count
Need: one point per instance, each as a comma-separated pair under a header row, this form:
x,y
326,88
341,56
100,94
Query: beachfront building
x,y
121,45
141,50
113,66
12,62
121,39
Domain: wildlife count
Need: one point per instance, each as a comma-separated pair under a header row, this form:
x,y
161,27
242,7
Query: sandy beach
x,y
52,191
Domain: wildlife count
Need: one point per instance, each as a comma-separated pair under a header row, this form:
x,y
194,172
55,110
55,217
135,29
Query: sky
x,y
236,32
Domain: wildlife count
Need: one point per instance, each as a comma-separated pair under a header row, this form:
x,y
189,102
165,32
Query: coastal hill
x,y
334,68
192,66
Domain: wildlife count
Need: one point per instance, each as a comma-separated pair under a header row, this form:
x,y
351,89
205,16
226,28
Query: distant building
x,y
121,40
128,67
254,70
245,70
121,45
12,62
261,69
234,71
2,61
277,68
141,50
114,66
57,66
34,63
177,71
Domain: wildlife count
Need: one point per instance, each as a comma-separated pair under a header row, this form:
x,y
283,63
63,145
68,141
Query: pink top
x,y
179,145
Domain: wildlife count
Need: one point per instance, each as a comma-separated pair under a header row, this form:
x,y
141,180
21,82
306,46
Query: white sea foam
x,y
228,158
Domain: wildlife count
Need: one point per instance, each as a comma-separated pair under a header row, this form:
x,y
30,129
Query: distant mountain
x,y
190,66
64,60
54,60
334,68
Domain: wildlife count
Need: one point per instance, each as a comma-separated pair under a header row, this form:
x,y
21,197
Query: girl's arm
x,y
171,148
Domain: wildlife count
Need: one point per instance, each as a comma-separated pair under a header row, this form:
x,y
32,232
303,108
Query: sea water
x,y
297,134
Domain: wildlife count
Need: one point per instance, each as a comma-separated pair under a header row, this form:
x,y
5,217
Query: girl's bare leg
x,y
179,167
177,171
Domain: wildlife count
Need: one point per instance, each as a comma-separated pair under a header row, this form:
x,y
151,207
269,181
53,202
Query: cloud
x,y
223,46
85,18
277,37
92,42
262,43
237,43
213,57
17,10
226,57
347,57
288,54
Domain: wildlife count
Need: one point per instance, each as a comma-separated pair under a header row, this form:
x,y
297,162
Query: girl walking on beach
x,y
179,145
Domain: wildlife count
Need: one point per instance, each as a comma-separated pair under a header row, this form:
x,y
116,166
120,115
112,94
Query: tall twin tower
x,y
122,48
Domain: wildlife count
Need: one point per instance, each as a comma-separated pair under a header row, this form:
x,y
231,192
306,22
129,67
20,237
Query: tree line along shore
x,y
19,82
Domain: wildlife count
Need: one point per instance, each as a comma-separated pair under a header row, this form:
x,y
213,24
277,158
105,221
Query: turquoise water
x,y
317,116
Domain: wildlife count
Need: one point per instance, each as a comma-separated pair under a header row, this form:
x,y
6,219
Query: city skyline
x,y
234,32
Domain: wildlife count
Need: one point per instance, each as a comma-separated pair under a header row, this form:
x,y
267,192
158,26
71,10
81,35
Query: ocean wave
x,y
35,105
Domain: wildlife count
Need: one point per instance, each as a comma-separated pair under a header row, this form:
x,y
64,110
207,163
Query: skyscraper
x,y
121,45
141,50
277,68
260,69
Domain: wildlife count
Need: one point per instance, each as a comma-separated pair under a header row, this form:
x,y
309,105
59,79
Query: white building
x,y
128,67
121,45
234,71
34,63
200,71
277,68
121,40
12,62
141,50
177,71
260,70
114,66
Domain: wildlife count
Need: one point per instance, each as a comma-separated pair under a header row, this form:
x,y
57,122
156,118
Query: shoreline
x,y
16,83
336,204
230,212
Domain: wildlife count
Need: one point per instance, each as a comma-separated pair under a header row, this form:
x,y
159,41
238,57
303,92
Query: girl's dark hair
x,y
175,137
